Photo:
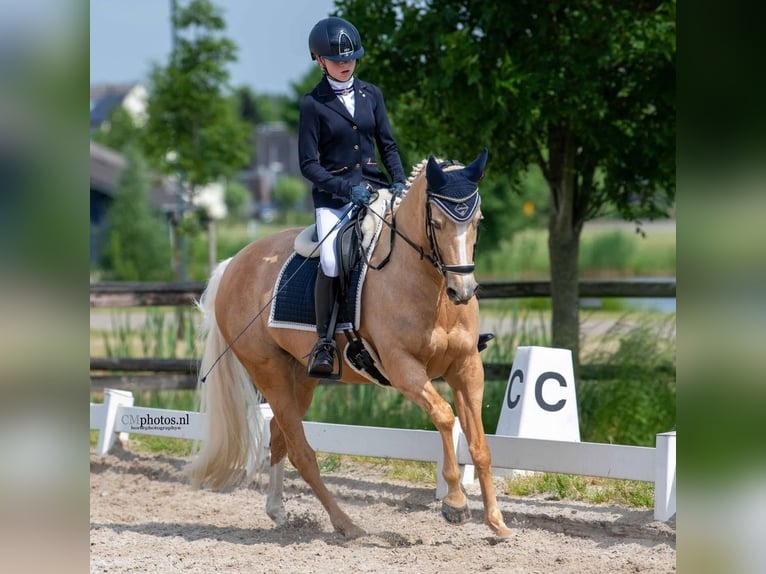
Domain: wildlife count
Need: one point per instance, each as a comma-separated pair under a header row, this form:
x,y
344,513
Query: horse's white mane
x,y
419,167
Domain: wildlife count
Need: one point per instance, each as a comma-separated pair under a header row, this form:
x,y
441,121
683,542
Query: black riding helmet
x,y
335,39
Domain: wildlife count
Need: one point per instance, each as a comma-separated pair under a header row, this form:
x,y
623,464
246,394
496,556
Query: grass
x,y
589,489
174,446
153,444
417,472
604,252
549,486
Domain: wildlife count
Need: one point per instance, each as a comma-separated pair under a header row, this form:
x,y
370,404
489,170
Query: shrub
x,y
612,250
138,248
633,397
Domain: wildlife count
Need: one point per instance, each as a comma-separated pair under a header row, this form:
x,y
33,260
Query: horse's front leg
x,y
412,381
467,384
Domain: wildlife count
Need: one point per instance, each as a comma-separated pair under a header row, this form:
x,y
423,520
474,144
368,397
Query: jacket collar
x,y
326,96
324,89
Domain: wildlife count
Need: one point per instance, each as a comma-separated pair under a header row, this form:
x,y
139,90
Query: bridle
x,y
435,256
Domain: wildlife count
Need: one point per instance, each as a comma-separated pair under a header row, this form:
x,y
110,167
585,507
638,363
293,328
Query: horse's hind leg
x,y
303,458
290,397
275,505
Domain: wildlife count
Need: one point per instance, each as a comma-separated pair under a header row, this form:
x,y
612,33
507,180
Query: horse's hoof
x,y
278,516
351,531
456,515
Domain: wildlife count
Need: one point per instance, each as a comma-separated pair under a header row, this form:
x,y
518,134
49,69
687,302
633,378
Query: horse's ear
x,y
475,170
434,174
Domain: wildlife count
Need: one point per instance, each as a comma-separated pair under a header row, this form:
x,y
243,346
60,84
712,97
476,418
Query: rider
x,y
341,121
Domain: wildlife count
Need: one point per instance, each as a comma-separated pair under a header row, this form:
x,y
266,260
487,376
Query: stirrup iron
x,y
330,347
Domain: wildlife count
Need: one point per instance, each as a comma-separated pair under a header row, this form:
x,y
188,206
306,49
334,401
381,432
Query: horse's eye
x,y
437,225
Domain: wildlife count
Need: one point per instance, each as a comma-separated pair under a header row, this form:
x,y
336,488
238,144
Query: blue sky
x,y
127,36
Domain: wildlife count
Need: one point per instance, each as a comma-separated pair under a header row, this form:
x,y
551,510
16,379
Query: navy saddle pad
x,y
293,307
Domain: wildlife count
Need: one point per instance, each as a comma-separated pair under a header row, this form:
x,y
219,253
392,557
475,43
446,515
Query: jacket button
x,y
354,127
356,146
357,166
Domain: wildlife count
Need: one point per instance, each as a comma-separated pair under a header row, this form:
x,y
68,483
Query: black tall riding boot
x,y
325,292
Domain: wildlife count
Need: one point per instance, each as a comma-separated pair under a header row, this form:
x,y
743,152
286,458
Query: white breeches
x,y
326,220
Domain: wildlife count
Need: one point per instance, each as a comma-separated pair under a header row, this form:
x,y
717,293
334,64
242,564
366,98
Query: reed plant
x,y
161,332
630,396
118,342
627,397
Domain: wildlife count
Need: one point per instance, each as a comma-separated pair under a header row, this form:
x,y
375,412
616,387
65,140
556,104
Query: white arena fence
x,y
117,416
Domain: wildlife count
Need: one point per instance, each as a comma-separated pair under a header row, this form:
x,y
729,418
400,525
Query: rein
x,y
392,227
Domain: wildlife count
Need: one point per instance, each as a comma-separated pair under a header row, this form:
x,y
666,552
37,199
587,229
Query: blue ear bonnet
x,y
456,195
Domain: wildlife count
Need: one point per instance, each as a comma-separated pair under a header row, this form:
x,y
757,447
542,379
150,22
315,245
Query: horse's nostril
x,y
456,298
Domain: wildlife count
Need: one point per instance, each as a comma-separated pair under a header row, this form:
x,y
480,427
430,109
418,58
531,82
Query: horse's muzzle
x,y
461,291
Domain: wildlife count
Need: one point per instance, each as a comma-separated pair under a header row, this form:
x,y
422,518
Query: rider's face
x,y
340,71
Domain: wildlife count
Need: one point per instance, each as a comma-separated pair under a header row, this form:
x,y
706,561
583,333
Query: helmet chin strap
x,y
325,72
323,67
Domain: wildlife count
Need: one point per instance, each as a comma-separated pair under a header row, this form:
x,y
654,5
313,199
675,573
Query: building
x,y
275,154
106,165
104,98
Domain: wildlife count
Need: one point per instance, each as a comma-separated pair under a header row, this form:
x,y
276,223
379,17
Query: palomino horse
x,y
419,314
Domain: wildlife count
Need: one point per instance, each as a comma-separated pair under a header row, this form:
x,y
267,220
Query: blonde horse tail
x,y
233,420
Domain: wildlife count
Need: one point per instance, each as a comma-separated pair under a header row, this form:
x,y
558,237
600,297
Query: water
x,y
663,305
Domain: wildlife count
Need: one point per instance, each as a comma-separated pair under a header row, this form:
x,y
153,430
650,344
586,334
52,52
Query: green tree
x,y
288,192
306,83
246,106
236,197
583,90
119,132
259,108
193,129
138,248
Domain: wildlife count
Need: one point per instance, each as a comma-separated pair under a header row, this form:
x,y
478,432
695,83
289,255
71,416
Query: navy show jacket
x,y
337,151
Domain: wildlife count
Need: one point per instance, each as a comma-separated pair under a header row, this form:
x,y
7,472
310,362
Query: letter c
x,y
513,402
552,408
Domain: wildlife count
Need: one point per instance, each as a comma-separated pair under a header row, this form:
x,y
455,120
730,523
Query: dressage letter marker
x,y
540,399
